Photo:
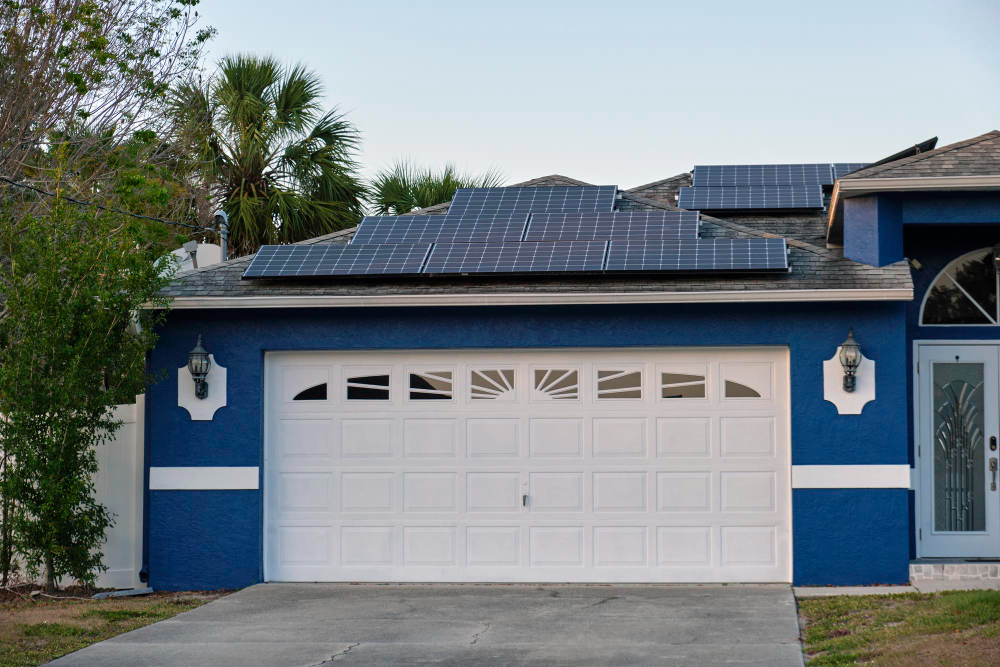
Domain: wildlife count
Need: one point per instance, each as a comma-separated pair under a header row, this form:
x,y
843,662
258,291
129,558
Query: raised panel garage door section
x,y
590,465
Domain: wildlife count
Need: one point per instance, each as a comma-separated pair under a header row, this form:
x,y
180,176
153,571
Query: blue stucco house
x,y
592,426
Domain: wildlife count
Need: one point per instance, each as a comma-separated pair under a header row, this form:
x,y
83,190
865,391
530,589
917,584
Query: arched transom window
x,y
965,292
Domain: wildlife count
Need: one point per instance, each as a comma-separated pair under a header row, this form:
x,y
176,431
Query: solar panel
x,y
841,169
699,255
486,228
523,257
607,226
726,175
300,261
753,197
562,199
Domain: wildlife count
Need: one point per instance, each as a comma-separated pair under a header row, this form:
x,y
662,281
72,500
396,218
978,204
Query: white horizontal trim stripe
x,y
540,298
203,478
851,477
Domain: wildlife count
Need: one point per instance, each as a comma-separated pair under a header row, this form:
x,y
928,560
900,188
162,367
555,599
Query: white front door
x,y
957,450
606,465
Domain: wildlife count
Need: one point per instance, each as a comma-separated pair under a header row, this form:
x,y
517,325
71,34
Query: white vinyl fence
x,y
119,488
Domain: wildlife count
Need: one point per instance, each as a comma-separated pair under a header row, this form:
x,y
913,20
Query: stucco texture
x,y
239,339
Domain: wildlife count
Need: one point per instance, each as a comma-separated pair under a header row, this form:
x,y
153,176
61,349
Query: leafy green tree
x,y
282,169
73,342
87,73
405,187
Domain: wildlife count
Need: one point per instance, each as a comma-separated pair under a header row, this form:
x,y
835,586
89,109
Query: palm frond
x,y
284,170
405,186
296,99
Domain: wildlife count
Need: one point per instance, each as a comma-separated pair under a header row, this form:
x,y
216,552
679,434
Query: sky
x,y
625,93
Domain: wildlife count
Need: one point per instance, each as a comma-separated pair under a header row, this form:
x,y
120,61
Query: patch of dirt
x,y
36,630
960,649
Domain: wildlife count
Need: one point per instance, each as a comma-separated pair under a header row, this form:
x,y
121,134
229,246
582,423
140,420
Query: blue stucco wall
x,y
204,540
845,537
239,338
873,229
951,208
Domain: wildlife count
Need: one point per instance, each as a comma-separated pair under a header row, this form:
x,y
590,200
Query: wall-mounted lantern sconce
x,y
850,359
996,257
198,365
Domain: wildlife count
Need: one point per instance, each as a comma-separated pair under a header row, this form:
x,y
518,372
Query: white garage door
x,y
626,465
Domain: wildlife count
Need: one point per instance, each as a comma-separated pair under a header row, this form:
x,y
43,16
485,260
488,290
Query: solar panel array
x,y
527,231
712,176
603,226
309,261
493,228
720,254
562,256
751,197
761,186
476,201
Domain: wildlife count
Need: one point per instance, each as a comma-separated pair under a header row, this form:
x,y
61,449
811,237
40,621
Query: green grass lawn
x,y
950,628
35,632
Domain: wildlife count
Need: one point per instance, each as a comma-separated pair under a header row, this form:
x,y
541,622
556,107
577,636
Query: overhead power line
x,y
106,208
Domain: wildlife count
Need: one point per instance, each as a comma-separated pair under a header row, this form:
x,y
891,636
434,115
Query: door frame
x,y
915,483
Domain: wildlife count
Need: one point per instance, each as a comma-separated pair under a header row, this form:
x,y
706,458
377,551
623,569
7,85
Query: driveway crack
x,y
607,599
475,637
337,655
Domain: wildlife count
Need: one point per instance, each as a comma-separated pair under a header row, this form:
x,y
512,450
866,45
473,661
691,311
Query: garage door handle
x,y
524,500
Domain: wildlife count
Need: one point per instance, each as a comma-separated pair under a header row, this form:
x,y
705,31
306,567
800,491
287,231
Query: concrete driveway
x,y
313,624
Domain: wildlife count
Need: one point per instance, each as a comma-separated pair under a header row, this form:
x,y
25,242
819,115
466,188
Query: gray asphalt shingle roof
x,y
979,156
812,266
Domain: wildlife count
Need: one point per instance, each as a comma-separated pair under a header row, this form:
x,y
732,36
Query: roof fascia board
x,y
859,186
856,187
546,299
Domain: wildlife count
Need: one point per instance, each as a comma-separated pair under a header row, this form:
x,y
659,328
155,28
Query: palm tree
x,y
404,186
283,170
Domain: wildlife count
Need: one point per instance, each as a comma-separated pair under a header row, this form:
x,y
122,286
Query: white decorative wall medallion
x,y
848,402
202,409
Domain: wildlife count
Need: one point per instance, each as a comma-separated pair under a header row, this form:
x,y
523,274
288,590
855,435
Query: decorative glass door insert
x,y
959,488
958,418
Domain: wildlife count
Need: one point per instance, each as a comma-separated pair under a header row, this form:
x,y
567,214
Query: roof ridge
x,y
660,182
529,182
965,143
332,235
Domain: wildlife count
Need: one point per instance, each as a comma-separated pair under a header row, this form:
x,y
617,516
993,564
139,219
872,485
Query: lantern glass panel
x,y
850,356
